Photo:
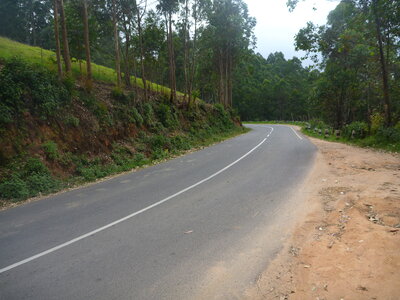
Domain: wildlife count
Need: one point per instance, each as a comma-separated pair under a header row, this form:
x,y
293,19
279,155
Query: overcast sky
x,y
276,26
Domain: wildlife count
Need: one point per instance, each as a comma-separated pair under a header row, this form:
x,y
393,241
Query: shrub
x,y
119,95
360,130
30,87
166,116
377,121
14,188
35,166
148,114
41,183
72,121
51,150
390,135
136,116
33,178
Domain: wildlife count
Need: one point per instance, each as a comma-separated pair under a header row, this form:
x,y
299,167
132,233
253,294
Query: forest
x,y
206,49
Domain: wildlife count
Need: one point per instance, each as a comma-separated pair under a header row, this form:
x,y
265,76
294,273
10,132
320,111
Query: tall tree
x,y
57,39
169,8
87,43
116,42
64,33
140,12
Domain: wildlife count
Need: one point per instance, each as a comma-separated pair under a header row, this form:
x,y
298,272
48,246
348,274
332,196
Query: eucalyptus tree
x,y
115,21
64,34
231,32
362,39
57,39
168,8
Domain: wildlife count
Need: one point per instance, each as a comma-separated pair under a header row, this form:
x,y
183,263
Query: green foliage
x,y
388,135
119,95
166,116
51,150
26,87
148,114
377,121
14,188
72,121
32,179
136,116
360,130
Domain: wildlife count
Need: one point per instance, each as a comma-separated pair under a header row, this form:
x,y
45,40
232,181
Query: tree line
x,y
360,49
192,46
355,76
204,48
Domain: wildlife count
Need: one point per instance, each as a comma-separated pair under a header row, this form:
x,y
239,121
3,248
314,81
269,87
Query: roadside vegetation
x,y
54,134
351,93
357,133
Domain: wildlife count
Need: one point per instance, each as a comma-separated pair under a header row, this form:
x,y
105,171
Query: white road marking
x,y
24,261
296,132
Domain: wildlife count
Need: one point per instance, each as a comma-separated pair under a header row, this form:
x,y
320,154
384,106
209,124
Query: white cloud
x,y
276,26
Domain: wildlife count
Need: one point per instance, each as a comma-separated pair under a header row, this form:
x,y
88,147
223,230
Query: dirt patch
x,y
348,245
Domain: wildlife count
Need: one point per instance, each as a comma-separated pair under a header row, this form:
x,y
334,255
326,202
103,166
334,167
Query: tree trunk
x,y
116,44
87,44
139,21
385,81
171,60
186,52
230,87
57,38
127,73
221,79
66,55
192,66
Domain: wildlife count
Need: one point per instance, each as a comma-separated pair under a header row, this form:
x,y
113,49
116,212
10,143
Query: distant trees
x,y
178,44
360,55
272,88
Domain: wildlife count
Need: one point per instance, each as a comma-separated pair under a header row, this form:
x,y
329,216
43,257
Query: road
x,y
201,226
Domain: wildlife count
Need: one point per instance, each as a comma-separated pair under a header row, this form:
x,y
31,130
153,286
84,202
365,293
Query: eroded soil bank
x,y
348,246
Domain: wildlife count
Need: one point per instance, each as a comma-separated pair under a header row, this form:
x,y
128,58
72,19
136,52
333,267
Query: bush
x,y
34,166
148,114
377,121
136,117
389,135
72,121
33,178
360,130
30,87
166,116
119,95
14,188
51,150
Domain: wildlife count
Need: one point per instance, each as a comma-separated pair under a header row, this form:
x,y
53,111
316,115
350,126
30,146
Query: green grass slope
x,y
54,134
10,49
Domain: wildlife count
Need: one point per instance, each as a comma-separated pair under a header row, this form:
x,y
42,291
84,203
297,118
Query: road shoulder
x,y
347,245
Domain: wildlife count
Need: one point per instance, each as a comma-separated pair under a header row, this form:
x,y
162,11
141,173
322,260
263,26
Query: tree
x,y
57,39
66,55
116,42
230,28
139,16
87,42
168,8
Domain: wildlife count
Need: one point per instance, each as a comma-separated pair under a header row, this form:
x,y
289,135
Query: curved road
x,y
201,226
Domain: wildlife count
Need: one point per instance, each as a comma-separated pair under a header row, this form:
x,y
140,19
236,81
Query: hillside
x,y
56,134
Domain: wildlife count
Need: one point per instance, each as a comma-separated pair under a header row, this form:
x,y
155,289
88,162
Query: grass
x,y
371,141
32,178
10,49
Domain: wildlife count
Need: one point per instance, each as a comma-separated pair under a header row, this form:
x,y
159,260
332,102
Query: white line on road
x,y
131,215
296,132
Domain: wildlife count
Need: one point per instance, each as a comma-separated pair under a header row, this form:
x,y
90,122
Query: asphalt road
x,y
200,226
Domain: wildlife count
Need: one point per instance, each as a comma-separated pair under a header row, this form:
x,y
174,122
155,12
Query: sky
x,y
276,26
